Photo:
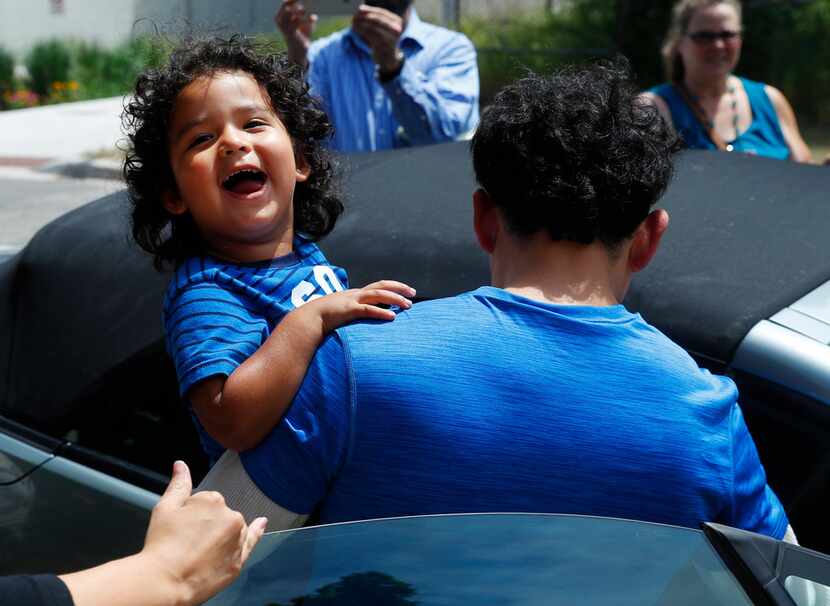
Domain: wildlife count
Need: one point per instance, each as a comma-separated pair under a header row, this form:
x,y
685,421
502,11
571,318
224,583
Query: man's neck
x,y
564,273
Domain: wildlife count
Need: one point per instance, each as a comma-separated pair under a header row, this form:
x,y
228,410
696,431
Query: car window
x,y
485,558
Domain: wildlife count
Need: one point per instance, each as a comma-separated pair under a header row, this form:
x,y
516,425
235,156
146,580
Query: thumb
x,y
254,533
180,486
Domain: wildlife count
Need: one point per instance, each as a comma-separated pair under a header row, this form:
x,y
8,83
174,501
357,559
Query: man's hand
x,y
197,540
380,29
296,26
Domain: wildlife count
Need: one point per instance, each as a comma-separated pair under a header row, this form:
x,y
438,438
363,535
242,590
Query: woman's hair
x,y
578,154
146,120
681,16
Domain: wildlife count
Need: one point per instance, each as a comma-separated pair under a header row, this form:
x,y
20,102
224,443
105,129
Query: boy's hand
x,y
342,307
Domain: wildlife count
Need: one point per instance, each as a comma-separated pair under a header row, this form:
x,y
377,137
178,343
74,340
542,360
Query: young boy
x,y
231,183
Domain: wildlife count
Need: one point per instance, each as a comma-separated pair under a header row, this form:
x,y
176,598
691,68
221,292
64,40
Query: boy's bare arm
x,y
241,409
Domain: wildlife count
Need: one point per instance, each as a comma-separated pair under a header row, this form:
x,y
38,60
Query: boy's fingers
x,y
393,285
367,310
387,297
179,488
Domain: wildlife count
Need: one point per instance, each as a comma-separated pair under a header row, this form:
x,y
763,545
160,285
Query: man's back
x,y
493,402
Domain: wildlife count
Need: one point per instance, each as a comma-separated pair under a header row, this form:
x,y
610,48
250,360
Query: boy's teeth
x,y
245,181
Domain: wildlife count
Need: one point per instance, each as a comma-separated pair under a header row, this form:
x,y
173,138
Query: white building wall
x,y
111,22
26,22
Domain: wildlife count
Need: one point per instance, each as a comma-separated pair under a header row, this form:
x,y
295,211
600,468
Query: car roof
x,y
747,237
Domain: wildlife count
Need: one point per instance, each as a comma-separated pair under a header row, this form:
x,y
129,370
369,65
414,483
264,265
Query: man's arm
x,y
755,507
296,26
440,104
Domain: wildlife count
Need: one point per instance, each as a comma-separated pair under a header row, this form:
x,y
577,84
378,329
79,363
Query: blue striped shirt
x,y
218,313
433,100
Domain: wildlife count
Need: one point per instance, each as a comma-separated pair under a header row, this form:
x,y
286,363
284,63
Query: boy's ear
x,y
173,203
647,238
303,170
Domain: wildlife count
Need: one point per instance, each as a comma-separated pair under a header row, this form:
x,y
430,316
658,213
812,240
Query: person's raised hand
x,y
196,540
380,29
296,26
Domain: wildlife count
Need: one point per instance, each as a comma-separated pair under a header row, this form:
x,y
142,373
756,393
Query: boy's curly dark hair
x,y
146,119
576,153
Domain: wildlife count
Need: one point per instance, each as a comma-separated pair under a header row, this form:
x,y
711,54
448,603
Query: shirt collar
x,y
414,31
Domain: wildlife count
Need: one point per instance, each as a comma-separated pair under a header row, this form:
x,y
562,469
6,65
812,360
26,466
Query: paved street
x,y
29,200
58,136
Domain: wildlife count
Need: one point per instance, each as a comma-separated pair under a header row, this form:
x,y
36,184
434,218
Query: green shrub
x,y
6,71
48,62
537,41
105,72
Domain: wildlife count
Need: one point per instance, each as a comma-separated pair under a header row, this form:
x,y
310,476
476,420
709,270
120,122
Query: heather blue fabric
x,y
493,402
218,313
762,138
434,99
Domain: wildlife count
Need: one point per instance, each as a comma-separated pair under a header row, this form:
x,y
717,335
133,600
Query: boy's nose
x,y
232,143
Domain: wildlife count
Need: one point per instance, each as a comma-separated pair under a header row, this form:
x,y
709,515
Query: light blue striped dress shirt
x,y
434,99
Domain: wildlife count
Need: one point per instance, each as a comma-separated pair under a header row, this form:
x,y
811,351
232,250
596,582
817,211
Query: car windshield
x,y
510,559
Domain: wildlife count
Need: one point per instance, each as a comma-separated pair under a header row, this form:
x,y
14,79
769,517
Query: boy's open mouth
x,y
245,181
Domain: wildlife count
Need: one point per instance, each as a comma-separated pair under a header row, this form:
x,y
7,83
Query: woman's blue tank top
x,y
763,137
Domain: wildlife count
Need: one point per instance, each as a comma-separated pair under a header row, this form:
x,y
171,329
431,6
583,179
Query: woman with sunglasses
x,y
709,106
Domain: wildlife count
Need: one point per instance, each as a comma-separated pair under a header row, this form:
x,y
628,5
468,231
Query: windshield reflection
x,y
508,559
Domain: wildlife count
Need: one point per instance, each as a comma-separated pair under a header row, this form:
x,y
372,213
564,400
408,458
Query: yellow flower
x,y
72,85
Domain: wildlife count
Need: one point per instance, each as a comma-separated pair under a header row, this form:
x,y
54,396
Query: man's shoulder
x,y
328,44
430,34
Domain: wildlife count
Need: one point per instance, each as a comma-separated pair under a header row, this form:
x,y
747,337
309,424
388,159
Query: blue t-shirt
x,y
763,137
493,402
218,313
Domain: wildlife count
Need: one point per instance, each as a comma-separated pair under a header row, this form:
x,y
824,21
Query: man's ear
x,y
485,220
173,203
646,239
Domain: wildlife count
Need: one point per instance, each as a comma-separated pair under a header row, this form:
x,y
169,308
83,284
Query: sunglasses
x,y
707,37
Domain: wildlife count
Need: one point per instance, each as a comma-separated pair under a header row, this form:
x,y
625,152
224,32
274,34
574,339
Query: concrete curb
x,y
84,169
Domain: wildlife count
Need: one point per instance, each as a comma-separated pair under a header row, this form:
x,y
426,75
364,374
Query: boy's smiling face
x,y
234,166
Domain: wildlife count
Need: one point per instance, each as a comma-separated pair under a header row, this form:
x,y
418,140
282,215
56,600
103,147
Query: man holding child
x,y
540,392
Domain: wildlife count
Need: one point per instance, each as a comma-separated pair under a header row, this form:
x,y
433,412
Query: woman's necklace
x,y
710,122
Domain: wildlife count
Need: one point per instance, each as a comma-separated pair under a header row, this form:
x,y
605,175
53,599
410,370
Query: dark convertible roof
x,y
747,237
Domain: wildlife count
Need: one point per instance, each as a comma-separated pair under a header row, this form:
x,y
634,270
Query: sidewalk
x,y
64,137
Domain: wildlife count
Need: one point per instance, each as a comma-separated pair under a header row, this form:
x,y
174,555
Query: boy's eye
x,y
198,140
254,123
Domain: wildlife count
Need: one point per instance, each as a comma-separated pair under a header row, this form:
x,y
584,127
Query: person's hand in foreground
x,y
296,26
380,29
195,547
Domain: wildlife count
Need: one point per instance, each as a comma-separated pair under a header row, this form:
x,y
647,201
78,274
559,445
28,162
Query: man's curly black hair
x,y
576,153
146,120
